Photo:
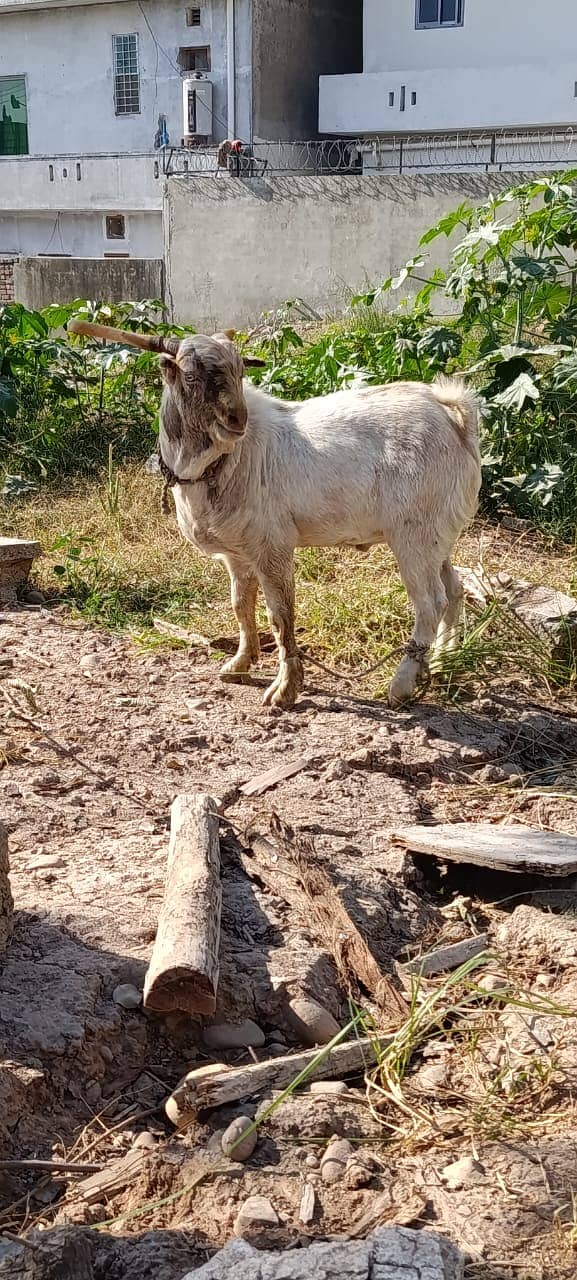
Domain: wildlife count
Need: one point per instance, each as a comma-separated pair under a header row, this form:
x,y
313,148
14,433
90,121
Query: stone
x,y
256,1212
431,1078
234,1035
463,1173
230,1144
336,770
493,982
144,1141
32,596
6,902
16,557
89,662
311,1022
335,1160
391,1253
127,996
333,1087
312,1161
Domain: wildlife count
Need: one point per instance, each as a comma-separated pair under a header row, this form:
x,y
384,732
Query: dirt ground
x,y
87,802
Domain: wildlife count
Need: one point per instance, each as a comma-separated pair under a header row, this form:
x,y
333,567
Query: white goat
x,y
255,477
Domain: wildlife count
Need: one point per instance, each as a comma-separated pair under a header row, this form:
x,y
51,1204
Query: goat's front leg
x,y
243,591
277,582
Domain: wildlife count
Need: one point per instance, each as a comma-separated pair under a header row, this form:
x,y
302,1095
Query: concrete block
x,y
16,559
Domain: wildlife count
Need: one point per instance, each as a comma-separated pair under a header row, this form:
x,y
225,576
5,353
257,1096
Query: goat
x,y
255,477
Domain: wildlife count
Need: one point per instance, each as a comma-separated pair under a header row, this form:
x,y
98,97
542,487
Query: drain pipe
x,y
231,69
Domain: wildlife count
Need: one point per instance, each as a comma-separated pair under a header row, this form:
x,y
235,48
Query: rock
x,y
232,1147
6,903
257,1212
493,982
144,1141
234,1035
463,1173
312,1161
308,1204
127,996
391,1253
16,556
334,1161
334,1087
431,1078
358,1173
89,662
336,770
312,1023
545,981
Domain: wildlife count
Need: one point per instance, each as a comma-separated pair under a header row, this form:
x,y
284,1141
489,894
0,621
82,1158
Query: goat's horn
x,y
145,341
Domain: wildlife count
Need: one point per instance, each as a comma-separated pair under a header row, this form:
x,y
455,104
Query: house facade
x,y
457,65
92,94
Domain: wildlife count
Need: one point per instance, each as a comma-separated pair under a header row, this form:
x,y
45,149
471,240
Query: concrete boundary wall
x,y
40,281
236,247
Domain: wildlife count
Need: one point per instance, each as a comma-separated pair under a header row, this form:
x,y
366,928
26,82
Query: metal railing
x,y
489,150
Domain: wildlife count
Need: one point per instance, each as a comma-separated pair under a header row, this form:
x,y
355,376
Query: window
x,y
126,75
440,13
193,17
194,59
115,226
13,116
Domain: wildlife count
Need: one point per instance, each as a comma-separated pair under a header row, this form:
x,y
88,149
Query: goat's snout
x,y
236,420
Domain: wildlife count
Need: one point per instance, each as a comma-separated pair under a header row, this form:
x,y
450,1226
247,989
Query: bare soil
x,y
87,809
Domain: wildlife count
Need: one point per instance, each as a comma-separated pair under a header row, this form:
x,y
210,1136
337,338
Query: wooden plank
x,y
547,612
444,959
516,849
296,875
279,773
113,1179
183,970
216,1086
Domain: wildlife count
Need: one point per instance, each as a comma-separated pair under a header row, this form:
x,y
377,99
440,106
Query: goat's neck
x,y
189,454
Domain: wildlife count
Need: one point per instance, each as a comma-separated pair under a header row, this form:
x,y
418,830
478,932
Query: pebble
x,y
127,996
432,1077
244,1149
312,1161
89,662
234,1035
462,1172
358,1174
45,863
493,982
277,1050
257,1211
335,1160
329,1086
336,770
312,1022
32,596
144,1141
545,980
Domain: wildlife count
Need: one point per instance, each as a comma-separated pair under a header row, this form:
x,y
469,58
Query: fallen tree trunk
x,y
183,970
307,888
216,1085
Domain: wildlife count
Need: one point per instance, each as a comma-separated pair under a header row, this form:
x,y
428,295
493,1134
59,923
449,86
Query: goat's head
x,y
205,377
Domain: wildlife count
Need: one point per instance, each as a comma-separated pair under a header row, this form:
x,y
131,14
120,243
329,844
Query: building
x,y
452,66
90,93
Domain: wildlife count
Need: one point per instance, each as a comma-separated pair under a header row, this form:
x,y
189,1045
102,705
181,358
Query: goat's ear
x,y
168,369
253,362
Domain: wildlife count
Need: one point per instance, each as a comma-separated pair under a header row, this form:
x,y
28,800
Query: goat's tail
x,y
463,406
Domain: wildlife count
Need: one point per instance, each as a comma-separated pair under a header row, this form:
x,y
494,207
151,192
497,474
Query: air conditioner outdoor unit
x,y
197,110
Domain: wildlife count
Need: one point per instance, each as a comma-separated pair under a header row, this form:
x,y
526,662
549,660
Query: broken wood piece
x,y
194,639
279,773
54,1166
516,849
183,970
308,889
115,1178
549,613
16,559
444,959
216,1085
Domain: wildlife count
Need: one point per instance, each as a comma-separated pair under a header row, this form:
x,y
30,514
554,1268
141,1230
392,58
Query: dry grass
x,y
133,564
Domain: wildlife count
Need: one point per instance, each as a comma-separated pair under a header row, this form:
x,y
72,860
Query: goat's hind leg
x,y
422,576
243,593
448,632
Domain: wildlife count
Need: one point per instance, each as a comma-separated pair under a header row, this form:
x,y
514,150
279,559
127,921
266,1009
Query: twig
x,y
62,1166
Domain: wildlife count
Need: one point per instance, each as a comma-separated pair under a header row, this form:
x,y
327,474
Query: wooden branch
x,y
518,849
279,773
447,958
305,885
183,970
217,1086
56,1166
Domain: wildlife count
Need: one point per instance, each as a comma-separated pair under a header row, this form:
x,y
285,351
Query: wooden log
x,y
183,970
444,959
549,613
217,1086
305,885
517,849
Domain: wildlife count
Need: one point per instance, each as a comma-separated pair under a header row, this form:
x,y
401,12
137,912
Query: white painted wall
x,y
66,56
78,235
507,65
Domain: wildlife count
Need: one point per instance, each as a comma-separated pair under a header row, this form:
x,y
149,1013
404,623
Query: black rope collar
x,y
208,477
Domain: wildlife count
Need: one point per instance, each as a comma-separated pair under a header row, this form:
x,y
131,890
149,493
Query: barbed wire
x,y
491,150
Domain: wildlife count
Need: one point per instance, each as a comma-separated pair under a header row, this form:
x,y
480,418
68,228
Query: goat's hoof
x,y
283,691
239,665
401,689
